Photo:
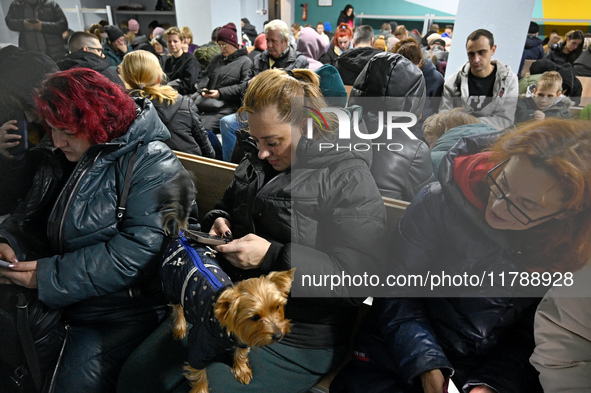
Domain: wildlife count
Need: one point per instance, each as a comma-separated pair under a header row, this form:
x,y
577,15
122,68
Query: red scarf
x,y
469,171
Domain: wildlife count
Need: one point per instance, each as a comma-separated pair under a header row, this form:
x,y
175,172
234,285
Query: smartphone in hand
x,y
21,124
5,264
206,238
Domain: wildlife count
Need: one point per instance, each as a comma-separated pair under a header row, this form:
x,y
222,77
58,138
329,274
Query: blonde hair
x,y
141,71
289,92
187,33
550,79
439,123
401,30
173,31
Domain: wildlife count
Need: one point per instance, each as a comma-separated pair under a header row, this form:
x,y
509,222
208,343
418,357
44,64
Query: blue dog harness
x,y
191,276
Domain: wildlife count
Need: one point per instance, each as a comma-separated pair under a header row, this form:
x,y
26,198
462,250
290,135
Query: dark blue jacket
x,y
534,50
480,340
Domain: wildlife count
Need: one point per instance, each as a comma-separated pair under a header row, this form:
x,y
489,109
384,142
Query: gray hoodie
x,y
500,112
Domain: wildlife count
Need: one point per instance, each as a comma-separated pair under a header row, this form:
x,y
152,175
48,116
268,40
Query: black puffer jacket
x,y
559,57
227,74
351,63
480,340
186,130
398,85
583,64
90,60
250,31
339,221
54,23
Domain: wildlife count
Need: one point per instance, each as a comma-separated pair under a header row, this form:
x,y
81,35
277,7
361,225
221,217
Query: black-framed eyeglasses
x,y
99,50
516,212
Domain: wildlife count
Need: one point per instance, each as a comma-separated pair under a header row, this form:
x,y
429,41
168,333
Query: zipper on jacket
x,y
199,264
59,359
60,234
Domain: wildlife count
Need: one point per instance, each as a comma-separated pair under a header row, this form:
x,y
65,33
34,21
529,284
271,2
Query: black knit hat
x,y
113,33
533,28
228,34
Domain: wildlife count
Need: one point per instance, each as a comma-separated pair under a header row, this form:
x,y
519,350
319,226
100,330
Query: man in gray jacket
x,y
485,88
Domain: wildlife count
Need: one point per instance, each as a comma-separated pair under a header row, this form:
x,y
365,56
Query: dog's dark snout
x,y
277,336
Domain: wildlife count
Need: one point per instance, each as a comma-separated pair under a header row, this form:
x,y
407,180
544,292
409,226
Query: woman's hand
x,y
8,140
432,381
247,252
221,227
22,273
212,94
482,389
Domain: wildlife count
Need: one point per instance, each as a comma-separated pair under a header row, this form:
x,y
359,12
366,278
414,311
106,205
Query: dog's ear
x,y
282,280
223,306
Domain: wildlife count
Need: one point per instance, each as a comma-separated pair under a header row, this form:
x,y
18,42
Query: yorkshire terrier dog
x,y
224,316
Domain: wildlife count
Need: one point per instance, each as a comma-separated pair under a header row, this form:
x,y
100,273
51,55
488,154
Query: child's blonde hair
x,y
141,72
550,80
439,123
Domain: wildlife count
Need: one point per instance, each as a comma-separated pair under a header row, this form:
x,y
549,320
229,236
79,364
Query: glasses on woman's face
x,y
516,212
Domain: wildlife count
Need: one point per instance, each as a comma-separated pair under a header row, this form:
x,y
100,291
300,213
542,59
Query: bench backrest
x,y
586,95
212,177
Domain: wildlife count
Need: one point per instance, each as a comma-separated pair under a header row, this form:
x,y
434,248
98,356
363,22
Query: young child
x,y
547,100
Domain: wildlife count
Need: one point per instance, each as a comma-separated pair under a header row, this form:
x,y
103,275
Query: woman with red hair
x,y
89,233
514,204
342,41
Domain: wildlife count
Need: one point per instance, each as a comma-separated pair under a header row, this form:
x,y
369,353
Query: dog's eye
x,y
255,317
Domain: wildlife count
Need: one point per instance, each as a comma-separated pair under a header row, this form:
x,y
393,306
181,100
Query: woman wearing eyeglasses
x,y
518,202
222,90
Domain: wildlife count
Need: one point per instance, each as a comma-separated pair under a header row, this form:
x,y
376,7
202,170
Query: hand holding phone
x,y
206,238
206,90
5,264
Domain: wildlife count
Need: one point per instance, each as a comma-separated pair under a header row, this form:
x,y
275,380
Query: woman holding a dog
x,y
295,202
89,233
514,205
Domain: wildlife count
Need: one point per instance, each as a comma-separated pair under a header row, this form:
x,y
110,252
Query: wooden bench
x,y
212,177
586,95
526,66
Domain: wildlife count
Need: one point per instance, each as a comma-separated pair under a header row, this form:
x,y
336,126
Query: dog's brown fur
x,y
252,311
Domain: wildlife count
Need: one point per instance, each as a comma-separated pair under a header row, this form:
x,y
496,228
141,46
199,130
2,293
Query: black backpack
x,y
32,341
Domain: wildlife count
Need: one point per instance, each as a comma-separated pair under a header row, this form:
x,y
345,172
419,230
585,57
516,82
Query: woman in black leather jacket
x,y
521,206
296,203
70,238
141,71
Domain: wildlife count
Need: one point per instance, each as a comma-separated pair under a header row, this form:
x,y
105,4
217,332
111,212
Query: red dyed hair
x,y
562,148
342,31
86,103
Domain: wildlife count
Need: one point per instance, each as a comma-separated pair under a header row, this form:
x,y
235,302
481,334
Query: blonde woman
x,y
142,73
188,45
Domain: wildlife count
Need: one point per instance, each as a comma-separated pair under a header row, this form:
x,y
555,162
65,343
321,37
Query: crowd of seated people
x,y
496,171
